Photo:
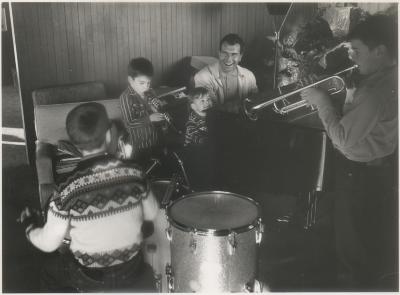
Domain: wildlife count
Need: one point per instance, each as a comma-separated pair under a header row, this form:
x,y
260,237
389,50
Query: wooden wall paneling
x,y
125,54
196,29
225,25
102,41
107,38
60,39
82,36
156,43
202,30
240,22
29,28
164,37
208,8
172,33
73,41
122,52
88,41
169,35
118,71
251,20
144,30
49,36
177,32
216,28
188,24
263,21
97,31
133,31
44,46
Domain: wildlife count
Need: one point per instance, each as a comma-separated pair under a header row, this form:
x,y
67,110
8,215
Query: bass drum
x,y
214,240
157,251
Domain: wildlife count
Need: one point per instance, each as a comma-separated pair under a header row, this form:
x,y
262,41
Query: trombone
x,y
288,102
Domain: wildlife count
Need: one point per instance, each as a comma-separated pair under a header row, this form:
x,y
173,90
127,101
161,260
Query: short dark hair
x,y
196,93
232,39
87,125
375,30
140,67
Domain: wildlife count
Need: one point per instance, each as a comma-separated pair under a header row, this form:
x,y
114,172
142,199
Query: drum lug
x,y
168,233
259,231
232,243
170,278
193,243
254,287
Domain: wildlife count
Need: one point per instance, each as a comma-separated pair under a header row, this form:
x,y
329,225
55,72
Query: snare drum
x,y
214,240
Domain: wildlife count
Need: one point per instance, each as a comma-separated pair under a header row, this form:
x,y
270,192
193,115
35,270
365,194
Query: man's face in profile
x,y
229,56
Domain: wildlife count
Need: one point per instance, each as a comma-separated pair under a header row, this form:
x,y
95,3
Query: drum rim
x,y
213,232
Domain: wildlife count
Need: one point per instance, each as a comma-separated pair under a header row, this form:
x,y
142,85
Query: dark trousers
x,y
366,223
62,273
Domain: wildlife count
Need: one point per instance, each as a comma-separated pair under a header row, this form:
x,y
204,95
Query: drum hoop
x,y
213,232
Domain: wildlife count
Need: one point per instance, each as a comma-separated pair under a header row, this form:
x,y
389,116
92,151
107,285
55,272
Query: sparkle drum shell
x,y
157,247
214,240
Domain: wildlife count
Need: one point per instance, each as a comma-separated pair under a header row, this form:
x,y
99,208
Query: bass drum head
x,y
214,212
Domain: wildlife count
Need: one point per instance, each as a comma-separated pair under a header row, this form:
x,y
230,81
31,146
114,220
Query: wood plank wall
x,y
63,43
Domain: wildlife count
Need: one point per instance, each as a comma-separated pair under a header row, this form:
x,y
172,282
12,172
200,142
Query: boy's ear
x,y
130,80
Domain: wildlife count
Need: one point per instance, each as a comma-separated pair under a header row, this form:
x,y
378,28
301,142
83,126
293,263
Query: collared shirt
x,y
368,129
230,85
136,111
210,78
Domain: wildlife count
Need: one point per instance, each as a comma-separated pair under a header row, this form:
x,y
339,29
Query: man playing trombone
x,y
366,136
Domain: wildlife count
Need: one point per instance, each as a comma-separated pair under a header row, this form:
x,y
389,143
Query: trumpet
x,y
288,102
156,106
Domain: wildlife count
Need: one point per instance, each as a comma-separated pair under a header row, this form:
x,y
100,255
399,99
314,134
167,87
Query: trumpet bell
x,y
287,99
332,86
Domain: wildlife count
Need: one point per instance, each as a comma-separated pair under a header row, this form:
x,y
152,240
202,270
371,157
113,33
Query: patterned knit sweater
x,y
103,204
196,129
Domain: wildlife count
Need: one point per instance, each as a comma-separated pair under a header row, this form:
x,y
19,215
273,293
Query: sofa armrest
x,y
44,162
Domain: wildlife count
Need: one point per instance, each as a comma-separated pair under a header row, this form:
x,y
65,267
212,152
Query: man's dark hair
x,y
232,39
375,30
140,67
196,93
87,125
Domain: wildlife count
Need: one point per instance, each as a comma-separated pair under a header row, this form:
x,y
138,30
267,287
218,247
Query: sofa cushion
x,y
50,119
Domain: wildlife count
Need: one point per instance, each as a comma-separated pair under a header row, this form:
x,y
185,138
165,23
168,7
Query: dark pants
x,y
62,273
366,223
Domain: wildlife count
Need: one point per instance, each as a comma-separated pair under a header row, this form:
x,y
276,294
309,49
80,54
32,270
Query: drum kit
x,y
203,241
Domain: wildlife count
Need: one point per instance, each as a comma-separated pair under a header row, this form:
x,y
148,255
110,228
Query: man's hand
x,y
156,117
314,96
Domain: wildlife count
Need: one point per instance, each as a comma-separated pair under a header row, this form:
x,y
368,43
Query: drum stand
x,y
313,196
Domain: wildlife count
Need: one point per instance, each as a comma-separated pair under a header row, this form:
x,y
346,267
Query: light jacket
x,y
209,77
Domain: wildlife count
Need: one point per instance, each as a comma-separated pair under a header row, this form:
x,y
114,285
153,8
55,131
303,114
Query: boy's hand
x,y
28,217
156,117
